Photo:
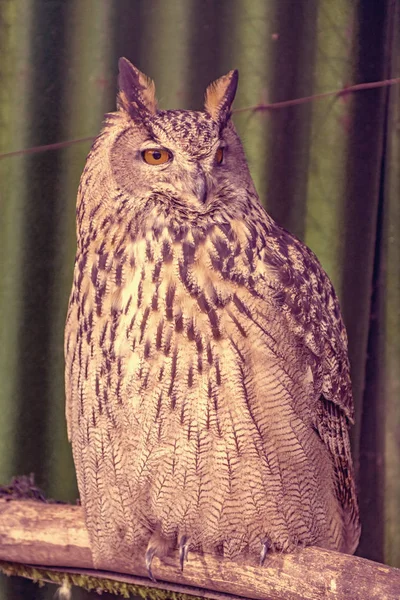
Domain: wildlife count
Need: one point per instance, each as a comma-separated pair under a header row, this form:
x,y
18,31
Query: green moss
x,y
90,583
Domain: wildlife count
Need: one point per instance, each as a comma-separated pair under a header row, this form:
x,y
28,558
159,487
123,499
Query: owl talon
x,y
183,550
150,553
264,549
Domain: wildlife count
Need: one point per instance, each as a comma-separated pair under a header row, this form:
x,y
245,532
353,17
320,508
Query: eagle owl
x,y
207,375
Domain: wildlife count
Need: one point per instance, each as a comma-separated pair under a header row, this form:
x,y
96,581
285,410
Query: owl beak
x,y
200,187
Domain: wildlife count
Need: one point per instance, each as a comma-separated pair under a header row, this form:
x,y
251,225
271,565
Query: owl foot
x,y
264,549
158,546
150,553
183,550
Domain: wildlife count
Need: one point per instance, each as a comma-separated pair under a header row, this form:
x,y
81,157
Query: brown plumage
x,y
207,376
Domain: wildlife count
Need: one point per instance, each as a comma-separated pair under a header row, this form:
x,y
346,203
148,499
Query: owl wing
x,y
68,393
72,350
308,303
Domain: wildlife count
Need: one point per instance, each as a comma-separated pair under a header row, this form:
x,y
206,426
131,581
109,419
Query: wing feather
x,y
309,306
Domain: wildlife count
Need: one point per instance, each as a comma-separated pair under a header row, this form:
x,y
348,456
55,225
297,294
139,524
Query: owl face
x,y
149,163
189,159
183,155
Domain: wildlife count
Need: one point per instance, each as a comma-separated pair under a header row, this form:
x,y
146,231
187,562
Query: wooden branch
x,y
54,535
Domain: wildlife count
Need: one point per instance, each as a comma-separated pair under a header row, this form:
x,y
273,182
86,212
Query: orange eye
x,y
219,157
156,156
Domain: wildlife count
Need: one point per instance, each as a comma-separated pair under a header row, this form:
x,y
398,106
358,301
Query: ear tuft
x,y
220,96
137,92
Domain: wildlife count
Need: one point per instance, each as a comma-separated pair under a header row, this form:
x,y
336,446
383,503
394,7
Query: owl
x,y
207,375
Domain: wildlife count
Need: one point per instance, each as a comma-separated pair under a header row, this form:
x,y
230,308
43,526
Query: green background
x,y
328,170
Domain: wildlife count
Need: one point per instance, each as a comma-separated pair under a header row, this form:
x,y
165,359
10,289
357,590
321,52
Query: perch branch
x,y
54,535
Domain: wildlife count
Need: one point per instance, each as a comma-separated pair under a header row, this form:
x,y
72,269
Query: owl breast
x,y
195,403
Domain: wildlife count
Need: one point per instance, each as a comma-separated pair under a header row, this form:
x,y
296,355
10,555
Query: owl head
x,y
191,161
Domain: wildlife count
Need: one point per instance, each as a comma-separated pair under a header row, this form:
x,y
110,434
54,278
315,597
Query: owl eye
x,y
219,157
156,156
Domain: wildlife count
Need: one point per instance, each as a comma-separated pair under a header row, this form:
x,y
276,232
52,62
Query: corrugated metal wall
x,y
328,170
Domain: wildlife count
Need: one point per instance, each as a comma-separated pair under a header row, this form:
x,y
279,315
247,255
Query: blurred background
x,y
327,169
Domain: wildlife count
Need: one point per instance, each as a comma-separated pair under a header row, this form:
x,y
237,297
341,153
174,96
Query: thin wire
x,y
258,107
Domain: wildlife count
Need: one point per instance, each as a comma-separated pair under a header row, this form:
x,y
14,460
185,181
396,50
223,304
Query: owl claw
x,y
150,553
264,550
183,550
